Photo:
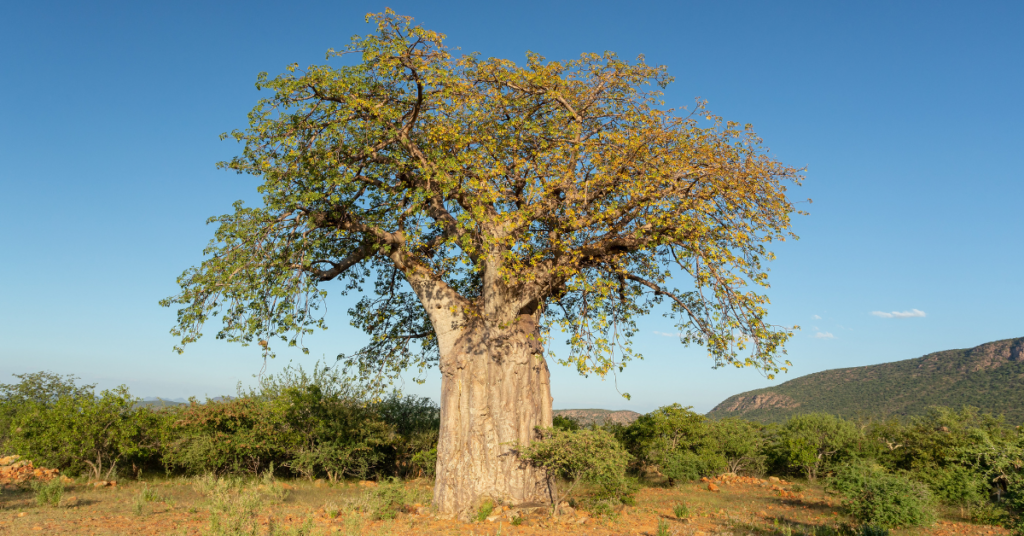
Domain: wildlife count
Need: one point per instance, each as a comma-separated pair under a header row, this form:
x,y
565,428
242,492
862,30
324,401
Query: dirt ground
x,y
188,507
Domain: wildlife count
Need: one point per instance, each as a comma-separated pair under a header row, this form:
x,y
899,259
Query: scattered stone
x,y
71,501
37,527
773,479
99,484
493,518
712,487
15,471
368,483
582,520
22,514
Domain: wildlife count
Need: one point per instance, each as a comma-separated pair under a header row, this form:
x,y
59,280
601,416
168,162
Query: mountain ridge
x,y
989,376
598,416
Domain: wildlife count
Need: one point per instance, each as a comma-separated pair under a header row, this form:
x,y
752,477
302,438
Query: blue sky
x,y
907,116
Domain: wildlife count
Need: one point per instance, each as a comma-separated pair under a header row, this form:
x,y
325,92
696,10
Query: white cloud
x,y
816,317
663,334
900,314
824,335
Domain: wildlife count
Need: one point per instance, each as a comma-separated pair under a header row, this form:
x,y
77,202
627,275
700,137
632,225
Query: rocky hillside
x,y
990,376
598,416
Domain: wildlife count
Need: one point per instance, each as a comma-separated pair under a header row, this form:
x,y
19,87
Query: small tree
x,y
576,456
811,442
481,203
81,430
741,442
39,389
675,440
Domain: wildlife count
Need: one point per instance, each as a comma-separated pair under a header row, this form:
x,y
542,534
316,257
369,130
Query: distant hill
x,y
157,402
990,377
598,416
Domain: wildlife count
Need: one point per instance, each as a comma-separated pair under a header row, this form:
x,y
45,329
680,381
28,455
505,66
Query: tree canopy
x,y
429,183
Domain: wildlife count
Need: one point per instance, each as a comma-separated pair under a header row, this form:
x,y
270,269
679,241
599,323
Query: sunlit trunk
x,y
495,390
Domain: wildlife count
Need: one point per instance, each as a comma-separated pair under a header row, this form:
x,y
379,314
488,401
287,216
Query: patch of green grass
x,y
485,510
147,495
49,493
138,505
385,500
681,511
871,530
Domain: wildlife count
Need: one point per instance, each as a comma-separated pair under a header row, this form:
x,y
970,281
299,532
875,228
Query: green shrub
x,y
872,530
138,505
239,507
426,462
741,443
34,389
958,486
938,438
485,510
313,424
579,456
49,493
567,424
816,442
880,499
685,465
681,511
81,430
890,501
237,436
614,490
677,441
386,499
850,478
414,425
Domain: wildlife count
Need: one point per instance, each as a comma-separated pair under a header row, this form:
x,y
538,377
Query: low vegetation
x,y
240,454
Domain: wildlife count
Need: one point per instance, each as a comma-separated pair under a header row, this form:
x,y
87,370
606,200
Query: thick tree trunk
x,y
495,389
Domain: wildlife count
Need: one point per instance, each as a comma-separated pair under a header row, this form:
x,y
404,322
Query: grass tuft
x,y
49,493
485,510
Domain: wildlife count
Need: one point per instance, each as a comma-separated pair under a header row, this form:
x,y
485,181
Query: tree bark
x,y
495,390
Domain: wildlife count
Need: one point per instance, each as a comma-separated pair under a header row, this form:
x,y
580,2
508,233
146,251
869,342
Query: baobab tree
x,y
477,205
